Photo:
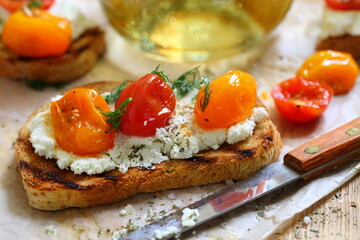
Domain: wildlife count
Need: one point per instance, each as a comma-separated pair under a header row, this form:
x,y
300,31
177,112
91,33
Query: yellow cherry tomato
x,y
228,100
336,69
36,33
79,126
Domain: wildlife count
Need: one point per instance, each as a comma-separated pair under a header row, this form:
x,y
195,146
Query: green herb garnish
x,y
114,118
204,101
161,74
34,4
187,82
113,96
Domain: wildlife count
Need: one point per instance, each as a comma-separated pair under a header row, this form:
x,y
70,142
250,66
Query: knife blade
x,y
304,162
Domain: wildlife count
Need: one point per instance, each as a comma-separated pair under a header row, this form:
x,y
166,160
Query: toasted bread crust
x,y
79,59
50,188
346,43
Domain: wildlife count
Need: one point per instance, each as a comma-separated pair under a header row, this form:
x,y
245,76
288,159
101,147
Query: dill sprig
x,y
35,4
113,96
204,100
186,82
161,74
113,119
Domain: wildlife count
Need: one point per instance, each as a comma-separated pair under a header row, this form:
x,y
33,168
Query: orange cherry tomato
x,y
13,5
300,100
337,69
231,100
37,35
79,126
343,4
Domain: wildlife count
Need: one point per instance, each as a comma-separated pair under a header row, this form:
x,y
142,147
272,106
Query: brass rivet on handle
x,y
352,131
312,149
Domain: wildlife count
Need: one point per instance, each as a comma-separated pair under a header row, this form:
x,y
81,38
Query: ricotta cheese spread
x,y
337,23
180,139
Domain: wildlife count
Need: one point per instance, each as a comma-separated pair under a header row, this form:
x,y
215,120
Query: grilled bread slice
x,y
50,188
79,59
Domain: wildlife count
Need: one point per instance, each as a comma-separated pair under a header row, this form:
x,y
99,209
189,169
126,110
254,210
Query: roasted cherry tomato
x,y
228,100
344,4
152,106
300,100
337,69
79,126
39,34
13,5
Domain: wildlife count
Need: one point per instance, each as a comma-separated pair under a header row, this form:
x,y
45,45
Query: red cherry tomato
x,y
153,103
343,4
13,5
300,100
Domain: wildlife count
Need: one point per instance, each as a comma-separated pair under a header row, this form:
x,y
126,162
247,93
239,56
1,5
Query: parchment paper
x,y
284,52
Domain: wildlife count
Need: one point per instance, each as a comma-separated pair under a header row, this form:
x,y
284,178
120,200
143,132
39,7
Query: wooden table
x,y
335,217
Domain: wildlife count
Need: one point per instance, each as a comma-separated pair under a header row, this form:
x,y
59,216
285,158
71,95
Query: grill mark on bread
x,y
246,152
200,159
51,176
110,177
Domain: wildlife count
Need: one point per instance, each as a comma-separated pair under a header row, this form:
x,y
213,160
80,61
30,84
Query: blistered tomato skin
x,y
152,106
37,35
78,125
337,69
299,100
232,99
343,4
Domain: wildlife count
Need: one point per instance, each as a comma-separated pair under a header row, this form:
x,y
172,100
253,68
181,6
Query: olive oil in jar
x,y
194,30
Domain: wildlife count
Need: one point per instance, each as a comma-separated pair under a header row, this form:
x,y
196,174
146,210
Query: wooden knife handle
x,y
325,148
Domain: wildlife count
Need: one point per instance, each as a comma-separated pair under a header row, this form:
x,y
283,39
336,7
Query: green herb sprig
x,y
113,96
204,100
161,74
186,82
35,4
113,119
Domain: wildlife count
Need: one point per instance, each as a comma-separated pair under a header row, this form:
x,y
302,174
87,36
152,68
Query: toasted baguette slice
x,y
79,59
50,188
346,43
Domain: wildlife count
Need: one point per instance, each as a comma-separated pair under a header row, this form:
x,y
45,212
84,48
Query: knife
x,y
304,162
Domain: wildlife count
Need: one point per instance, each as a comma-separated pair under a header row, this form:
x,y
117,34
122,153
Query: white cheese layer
x,y
180,139
337,23
79,23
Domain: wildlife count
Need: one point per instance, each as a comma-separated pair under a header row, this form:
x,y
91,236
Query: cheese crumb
x,y
167,232
171,196
189,217
307,220
123,212
51,230
177,203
